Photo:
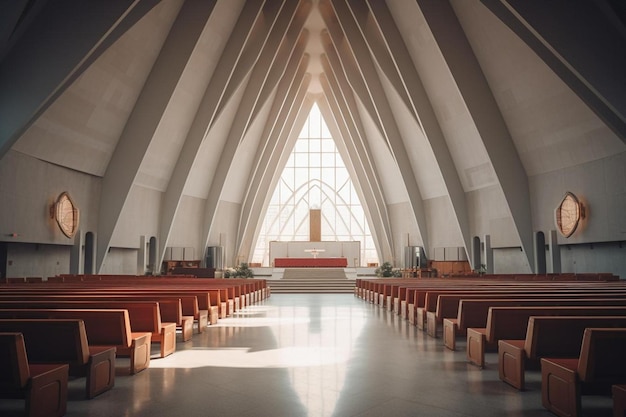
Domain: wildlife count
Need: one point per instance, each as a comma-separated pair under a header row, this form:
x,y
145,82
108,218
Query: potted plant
x,y
241,271
387,270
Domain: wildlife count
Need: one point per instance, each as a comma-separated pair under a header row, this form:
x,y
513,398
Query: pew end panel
x,y
433,328
203,320
619,400
560,390
411,314
450,328
138,352
512,362
99,370
167,339
42,386
601,365
477,345
420,318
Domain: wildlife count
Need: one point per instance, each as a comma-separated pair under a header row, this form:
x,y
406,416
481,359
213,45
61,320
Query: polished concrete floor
x,y
315,355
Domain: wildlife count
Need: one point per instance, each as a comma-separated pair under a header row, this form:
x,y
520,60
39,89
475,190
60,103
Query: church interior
x,y
146,138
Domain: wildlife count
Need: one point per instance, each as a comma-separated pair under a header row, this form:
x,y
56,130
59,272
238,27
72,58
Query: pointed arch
x,y
315,175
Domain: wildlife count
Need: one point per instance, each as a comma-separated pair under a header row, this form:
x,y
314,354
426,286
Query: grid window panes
x,y
315,177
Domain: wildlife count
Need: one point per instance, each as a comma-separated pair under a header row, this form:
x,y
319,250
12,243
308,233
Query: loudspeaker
x,y
213,258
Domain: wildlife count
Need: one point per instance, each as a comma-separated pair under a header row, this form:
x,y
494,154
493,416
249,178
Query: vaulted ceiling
x,y
443,110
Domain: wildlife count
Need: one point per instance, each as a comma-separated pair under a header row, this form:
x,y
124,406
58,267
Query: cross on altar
x,y
314,252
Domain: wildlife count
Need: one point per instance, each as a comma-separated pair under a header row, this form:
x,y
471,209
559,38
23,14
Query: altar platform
x,y
310,262
309,254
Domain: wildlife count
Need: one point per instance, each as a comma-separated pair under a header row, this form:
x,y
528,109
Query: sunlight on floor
x,y
313,343
287,357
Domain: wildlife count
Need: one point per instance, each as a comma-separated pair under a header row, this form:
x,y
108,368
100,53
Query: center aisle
x,y
314,355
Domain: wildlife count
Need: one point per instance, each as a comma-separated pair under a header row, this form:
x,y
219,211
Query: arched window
x,y
315,177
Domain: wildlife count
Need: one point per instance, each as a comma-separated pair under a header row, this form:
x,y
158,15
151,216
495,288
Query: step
x,y
311,285
314,273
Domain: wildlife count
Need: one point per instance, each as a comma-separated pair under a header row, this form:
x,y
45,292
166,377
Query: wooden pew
x,y
473,312
42,386
400,292
145,316
446,305
65,341
205,309
619,400
177,307
426,298
170,308
170,305
369,289
512,322
244,290
556,337
601,365
200,308
105,327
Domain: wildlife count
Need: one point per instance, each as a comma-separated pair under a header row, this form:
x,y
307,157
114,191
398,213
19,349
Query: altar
x,y
310,262
307,254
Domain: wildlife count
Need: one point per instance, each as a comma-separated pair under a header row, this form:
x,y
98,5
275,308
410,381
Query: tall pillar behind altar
x,y
315,225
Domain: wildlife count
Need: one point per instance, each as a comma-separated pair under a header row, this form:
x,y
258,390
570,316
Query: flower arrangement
x,y
241,271
387,270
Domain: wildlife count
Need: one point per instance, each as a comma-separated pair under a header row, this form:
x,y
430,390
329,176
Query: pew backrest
x,y
475,312
51,340
13,361
561,336
512,322
104,327
602,357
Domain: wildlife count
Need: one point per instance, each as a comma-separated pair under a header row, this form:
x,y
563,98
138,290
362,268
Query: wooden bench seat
x,y
195,303
170,308
472,313
601,365
420,299
619,400
371,289
447,305
204,308
199,307
145,316
556,337
105,327
404,303
228,293
180,308
170,305
429,312
511,323
65,341
399,292
42,386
